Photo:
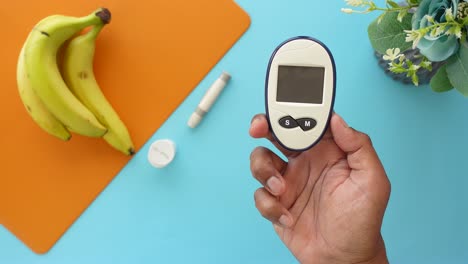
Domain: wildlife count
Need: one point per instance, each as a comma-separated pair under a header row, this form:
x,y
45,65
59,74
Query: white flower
x,y
458,33
413,36
354,2
440,30
392,54
449,15
430,19
347,10
455,30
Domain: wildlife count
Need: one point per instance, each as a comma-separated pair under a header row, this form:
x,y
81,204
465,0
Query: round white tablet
x,y
161,153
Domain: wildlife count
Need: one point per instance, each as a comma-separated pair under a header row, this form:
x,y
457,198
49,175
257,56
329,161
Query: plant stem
x,y
444,24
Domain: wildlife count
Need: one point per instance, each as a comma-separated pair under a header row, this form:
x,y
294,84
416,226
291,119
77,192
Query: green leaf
x,y
415,79
398,70
402,14
379,19
457,70
426,65
389,33
414,2
440,82
393,4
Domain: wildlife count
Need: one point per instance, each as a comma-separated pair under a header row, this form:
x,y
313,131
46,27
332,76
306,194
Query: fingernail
x,y
251,128
285,221
343,123
254,120
275,185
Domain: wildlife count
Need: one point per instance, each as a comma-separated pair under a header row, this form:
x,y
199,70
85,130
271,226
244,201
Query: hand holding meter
x,y
300,92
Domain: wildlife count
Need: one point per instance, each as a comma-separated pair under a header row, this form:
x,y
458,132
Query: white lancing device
x,y
300,92
208,100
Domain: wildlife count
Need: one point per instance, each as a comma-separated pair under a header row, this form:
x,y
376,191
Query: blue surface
x,y
201,210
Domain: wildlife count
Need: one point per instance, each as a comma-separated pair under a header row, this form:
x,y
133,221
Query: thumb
x,y
358,146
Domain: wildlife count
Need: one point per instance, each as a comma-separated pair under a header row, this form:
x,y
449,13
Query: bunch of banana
x,y
67,99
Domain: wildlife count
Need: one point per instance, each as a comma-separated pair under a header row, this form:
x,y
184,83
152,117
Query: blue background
x,y
200,209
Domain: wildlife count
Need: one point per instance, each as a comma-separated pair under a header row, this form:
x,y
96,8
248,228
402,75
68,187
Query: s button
x,y
288,122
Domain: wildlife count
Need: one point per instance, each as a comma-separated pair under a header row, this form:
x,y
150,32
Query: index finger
x,y
259,129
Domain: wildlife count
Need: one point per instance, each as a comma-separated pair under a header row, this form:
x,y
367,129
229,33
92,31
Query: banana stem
x,y
105,15
95,30
100,17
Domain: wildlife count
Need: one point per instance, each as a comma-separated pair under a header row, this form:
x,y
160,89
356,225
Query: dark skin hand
x,y
327,203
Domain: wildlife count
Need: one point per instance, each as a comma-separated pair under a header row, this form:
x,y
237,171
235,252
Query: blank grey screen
x,y
298,84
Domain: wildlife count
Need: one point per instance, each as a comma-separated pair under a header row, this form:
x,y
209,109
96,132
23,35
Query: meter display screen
x,y
298,84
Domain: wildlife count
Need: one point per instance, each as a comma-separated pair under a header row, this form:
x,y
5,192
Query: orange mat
x,y
148,59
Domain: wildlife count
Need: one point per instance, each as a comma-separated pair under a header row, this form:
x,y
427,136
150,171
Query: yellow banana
x,y
40,55
79,76
34,105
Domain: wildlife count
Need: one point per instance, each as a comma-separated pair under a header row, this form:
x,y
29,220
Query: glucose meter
x,y
300,92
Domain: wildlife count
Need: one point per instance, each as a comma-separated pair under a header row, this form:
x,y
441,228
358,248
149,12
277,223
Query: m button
x,y
307,123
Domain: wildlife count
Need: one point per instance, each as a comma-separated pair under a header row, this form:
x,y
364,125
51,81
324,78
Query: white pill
x,y
161,153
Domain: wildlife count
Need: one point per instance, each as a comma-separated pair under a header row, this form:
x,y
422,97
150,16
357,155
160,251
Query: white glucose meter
x,y
300,92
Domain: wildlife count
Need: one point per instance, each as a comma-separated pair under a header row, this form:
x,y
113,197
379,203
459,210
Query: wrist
x,y
379,256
